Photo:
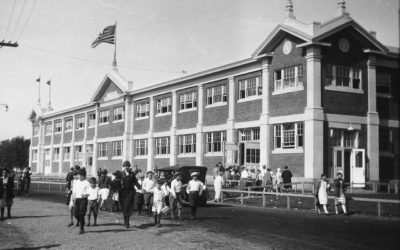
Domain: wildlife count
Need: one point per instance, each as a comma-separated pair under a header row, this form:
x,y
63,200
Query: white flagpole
x,y
114,64
39,92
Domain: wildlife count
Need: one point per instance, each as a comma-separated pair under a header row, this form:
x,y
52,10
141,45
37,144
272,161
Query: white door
x,y
358,167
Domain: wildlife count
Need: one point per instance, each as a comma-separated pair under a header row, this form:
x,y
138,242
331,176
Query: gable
x,y
112,87
110,93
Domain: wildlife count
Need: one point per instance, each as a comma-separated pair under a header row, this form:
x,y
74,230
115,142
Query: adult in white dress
x,y
218,184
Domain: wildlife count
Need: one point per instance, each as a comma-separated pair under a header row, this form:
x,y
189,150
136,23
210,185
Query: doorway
x,y
347,166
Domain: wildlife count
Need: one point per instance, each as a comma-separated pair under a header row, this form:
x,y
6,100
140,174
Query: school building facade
x,y
319,97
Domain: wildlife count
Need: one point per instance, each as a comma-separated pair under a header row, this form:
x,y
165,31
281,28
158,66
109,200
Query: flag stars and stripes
x,y
107,36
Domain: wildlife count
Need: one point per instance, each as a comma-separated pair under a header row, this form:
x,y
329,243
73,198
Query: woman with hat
x,y
127,195
7,195
194,189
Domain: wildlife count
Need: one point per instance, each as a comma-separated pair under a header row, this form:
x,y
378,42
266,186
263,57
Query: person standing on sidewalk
x,y
127,194
218,184
148,186
175,198
104,187
287,179
194,189
321,192
340,199
28,174
80,198
7,198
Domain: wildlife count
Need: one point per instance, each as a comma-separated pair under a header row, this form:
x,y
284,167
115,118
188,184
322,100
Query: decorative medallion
x,y
287,47
344,45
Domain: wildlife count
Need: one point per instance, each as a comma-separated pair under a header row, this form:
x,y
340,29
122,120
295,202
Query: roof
x,y
172,168
114,77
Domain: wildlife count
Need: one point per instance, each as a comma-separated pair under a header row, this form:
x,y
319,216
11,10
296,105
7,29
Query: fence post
x,y
49,187
295,188
248,190
396,188
374,187
351,186
379,209
302,186
263,199
288,201
241,198
388,188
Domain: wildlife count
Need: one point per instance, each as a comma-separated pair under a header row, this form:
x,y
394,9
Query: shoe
x,y
81,231
346,214
94,225
70,224
179,217
318,212
191,218
88,224
159,225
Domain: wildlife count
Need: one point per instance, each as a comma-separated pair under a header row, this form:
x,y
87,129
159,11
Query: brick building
x,y
319,97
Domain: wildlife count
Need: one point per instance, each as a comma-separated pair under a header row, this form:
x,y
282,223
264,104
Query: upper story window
x,y
164,105
48,128
119,113
104,116
288,79
80,122
187,144
342,78
68,125
34,155
249,134
383,84
143,109
216,95
35,130
385,139
288,135
103,149
56,154
162,146
250,87
117,148
92,120
188,100
141,147
215,140
343,138
58,127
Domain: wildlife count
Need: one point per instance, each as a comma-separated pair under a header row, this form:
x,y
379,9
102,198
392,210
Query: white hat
x,y
194,174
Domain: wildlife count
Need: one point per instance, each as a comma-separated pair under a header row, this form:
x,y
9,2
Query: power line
x,y
98,62
9,20
19,19
27,20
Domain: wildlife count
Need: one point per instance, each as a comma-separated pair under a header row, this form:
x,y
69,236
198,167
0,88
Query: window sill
x,y
117,158
251,98
162,156
141,118
162,114
91,127
386,154
218,104
187,155
288,90
79,129
56,160
47,134
67,131
34,161
102,158
344,89
288,151
381,95
118,121
65,160
210,154
187,110
141,157
57,132
104,123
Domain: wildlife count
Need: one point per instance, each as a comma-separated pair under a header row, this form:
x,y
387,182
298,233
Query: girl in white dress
x,y
322,194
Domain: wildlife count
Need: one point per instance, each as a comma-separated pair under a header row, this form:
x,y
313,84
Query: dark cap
x,y
104,171
285,167
177,174
160,181
126,164
77,167
93,180
82,171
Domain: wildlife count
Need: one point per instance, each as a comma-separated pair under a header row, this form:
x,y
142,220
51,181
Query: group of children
x,y
87,196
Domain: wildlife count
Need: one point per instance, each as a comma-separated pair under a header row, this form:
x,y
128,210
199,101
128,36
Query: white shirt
x,y
80,188
218,182
176,187
137,189
148,185
93,193
244,174
195,186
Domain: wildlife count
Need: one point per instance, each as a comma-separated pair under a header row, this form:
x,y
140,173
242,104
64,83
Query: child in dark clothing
x,y
115,188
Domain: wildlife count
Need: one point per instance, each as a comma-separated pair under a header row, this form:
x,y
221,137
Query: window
x,y
250,87
187,144
215,140
164,105
288,135
104,116
56,154
342,77
119,113
103,149
66,153
36,130
383,83
385,139
34,155
58,127
141,147
162,146
48,128
68,125
216,94
188,100
92,120
117,148
143,109
343,138
80,122
252,155
78,152
47,157
288,79
249,134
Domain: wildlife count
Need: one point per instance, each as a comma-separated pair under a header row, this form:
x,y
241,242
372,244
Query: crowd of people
x,y
128,190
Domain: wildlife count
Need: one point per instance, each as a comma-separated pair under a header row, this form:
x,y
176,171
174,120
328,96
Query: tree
x,y
14,153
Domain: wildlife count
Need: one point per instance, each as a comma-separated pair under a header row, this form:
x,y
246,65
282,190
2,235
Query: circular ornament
x,y
287,47
344,45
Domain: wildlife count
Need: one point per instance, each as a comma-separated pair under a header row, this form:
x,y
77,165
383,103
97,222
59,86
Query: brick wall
x,y
111,130
215,115
186,120
47,140
90,133
55,167
33,166
161,162
162,123
141,164
79,134
67,137
65,167
295,162
248,111
57,139
186,161
35,141
141,126
110,165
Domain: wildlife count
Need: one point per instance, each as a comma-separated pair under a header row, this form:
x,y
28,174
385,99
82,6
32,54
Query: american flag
x,y
107,36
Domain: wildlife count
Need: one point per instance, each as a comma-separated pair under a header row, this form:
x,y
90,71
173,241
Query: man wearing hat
x,y
194,189
80,197
175,199
104,187
148,186
127,194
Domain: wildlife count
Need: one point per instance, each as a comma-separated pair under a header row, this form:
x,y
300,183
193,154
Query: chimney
x,y
341,8
289,9
130,85
373,33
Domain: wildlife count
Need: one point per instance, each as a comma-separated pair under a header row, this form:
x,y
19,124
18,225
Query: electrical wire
x,y
27,20
9,20
19,19
98,62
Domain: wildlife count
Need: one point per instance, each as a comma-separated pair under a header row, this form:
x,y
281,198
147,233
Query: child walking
x,y
139,198
93,201
79,198
115,188
159,195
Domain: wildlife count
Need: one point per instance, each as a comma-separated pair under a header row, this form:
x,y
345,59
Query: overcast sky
x,y
156,40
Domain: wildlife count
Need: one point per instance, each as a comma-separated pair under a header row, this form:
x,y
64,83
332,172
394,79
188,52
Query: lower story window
x,y
34,155
288,135
215,140
187,144
252,155
141,147
162,146
117,148
103,149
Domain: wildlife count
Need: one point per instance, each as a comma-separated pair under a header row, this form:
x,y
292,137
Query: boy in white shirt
x,y
148,186
93,201
175,198
79,197
194,188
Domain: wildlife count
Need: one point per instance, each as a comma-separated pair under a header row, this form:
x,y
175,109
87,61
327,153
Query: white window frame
x,y
164,106
56,154
187,144
48,128
214,141
34,155
291,80
68,125
141,147
384,80
117,149
104,117
288,140
103,150
333,73
163,146
57,127
80,122
217,96
35,131
188,101
250,88
119,113
142,110
91,120
66,153
249,134
47,158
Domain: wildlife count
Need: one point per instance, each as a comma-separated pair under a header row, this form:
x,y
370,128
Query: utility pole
x,y
8,44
